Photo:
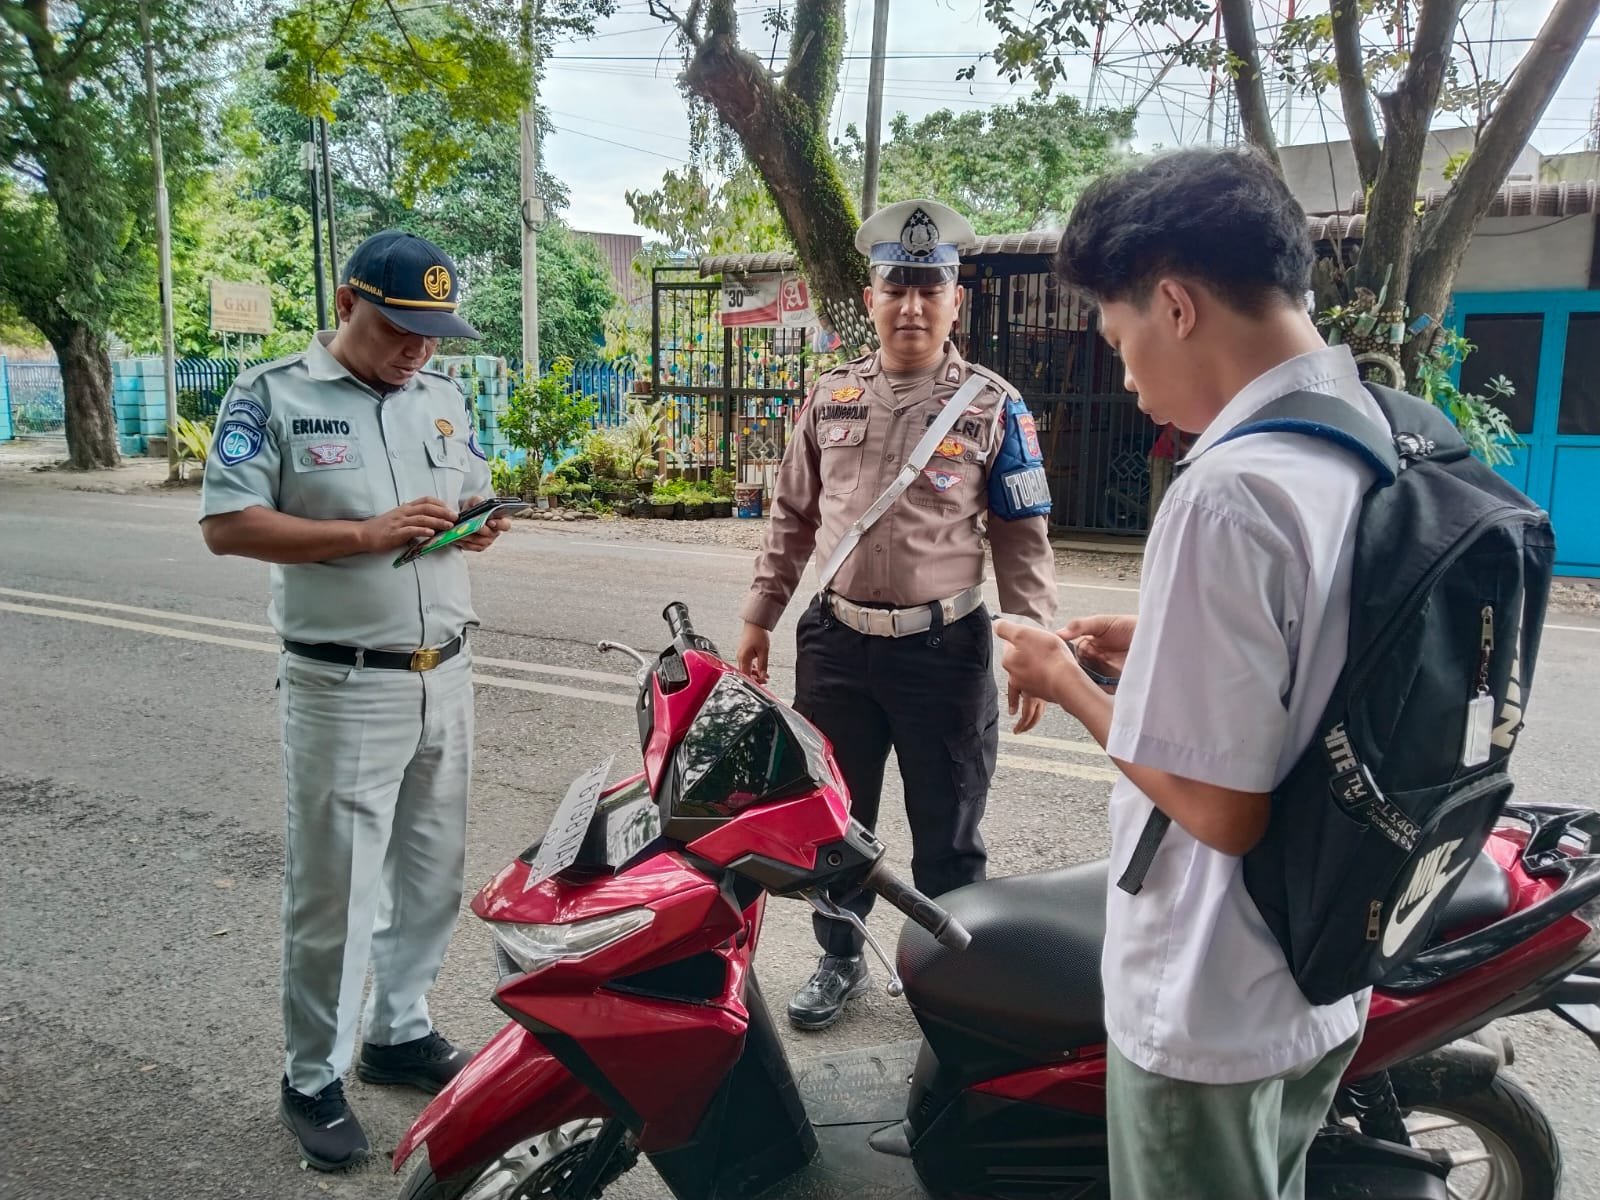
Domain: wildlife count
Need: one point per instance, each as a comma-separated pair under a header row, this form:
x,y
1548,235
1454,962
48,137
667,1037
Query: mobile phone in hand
x,y
468,522
1109,682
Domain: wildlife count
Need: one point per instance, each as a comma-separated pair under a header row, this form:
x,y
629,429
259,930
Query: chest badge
x,y
328,454
950,448
942,481
847,394
838,433
444,427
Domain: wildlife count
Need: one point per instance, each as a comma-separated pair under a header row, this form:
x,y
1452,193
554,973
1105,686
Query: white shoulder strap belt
x,y
954,407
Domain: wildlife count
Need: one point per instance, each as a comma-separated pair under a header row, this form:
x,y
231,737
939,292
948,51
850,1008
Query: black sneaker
x,y
330,1137
427,1063
821,1002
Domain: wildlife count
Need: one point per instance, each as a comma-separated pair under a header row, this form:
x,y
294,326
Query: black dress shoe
x,y
821,1002
330,1137
427,1063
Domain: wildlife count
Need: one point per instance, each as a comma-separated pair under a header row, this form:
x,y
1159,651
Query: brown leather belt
x,y
387,660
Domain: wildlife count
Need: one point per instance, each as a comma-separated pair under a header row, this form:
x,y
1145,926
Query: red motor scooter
x,y
624,943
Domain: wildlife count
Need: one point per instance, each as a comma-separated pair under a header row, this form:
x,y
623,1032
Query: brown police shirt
x,y
849,443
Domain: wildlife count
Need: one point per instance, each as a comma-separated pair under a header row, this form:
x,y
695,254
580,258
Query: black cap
x,y
412,280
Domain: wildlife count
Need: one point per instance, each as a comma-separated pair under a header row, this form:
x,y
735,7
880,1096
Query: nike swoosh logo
x,y
1401,928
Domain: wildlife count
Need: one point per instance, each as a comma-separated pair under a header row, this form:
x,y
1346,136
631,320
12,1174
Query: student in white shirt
x,y
1220,1072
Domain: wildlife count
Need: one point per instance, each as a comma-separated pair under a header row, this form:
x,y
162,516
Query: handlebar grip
x,y
677,615
949,932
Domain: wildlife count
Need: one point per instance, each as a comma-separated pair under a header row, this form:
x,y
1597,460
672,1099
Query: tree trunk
x,y
1447,231
1390,238
789,149
1346,16
86,378
1239,31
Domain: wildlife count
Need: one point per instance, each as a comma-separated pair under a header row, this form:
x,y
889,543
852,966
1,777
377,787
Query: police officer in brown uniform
x,y
896,649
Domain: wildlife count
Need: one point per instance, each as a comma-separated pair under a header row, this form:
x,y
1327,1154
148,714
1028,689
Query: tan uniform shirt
x,y
849,443
303,436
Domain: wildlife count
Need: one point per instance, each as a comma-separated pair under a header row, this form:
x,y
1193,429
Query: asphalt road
x,y
140,797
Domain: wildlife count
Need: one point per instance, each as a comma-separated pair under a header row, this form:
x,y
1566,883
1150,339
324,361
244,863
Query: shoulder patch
x,y
244,408
237,442
1018,484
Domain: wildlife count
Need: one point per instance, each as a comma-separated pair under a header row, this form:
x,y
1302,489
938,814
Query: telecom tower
x,y
1144,66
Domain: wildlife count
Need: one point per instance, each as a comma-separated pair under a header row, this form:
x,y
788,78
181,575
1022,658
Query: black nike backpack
x,y
1388,806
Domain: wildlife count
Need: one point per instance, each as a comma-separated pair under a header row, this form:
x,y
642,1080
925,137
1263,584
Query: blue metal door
x,y
1548,345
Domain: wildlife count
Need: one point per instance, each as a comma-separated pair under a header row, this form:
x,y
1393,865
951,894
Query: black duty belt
x,y
388,660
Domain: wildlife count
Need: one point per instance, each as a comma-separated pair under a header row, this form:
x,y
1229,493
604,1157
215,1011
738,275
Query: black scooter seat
x,y
1030,980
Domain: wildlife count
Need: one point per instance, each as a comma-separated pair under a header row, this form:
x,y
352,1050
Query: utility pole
x,y
880,42
308,159
532,207
327,196
169,366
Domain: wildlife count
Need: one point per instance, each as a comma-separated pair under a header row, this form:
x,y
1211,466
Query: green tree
x,y
1405,56
544,417
575,295
76,198
1007,169
461,55
779,118
696,213
229,226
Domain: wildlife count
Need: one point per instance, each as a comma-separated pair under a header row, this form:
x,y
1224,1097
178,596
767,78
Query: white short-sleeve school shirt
x,y
1244,611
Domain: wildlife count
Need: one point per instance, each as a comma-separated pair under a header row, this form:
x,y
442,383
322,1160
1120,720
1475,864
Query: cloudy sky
x,y
621,122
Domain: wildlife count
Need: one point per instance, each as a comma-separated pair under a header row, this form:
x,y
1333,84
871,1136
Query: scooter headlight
x,y
534,947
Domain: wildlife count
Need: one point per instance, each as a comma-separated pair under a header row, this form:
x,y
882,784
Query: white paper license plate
x,y
564,838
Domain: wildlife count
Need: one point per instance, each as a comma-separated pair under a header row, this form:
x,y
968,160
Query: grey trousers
x,y
377,765
1174,1140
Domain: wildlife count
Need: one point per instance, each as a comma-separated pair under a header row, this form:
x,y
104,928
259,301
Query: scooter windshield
x,y
744,748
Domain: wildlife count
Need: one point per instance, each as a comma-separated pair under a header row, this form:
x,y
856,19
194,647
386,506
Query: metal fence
x,y
38,400
203,383
730,393
1096,442
607,383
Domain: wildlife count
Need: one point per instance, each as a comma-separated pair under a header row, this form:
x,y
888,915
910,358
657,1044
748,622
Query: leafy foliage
x,y
575,295
697,213
543,417
458,56
77,193
1007,169
194,439
1483,424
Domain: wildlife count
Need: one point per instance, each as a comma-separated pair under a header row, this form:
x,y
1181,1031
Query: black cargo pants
x,y
931,696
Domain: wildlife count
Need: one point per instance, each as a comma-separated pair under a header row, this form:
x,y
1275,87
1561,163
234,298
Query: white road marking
x,y
167,615
161,613
1050,743
1013,762
1073,770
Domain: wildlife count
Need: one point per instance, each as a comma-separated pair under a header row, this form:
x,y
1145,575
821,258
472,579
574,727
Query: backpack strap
x,y
1314,415
1332,420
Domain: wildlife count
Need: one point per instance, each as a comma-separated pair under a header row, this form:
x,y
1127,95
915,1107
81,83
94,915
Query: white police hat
x,y
915,242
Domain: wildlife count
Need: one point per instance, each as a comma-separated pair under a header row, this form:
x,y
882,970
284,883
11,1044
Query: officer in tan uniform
x,y
897,649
